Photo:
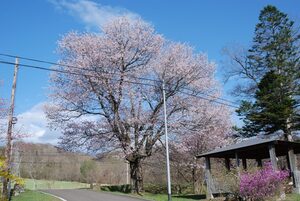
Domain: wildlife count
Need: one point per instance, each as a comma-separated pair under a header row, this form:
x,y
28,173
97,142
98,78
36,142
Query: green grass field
x,y
160,197
293,197
34,196
163,197
45,184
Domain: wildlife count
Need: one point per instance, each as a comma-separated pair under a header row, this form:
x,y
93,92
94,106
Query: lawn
x,y
46,184
34,196
293,197
161,197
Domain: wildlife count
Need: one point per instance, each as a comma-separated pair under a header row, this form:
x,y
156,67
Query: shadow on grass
x,y
192,197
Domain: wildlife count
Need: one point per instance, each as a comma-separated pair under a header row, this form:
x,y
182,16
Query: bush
x,y
149,188
262,184
6,175
155,188
162,189
227,183
126,188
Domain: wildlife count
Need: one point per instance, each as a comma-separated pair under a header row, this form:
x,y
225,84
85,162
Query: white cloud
x,y
91,13
34,124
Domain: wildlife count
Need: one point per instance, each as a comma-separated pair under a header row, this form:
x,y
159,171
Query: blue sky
x,y
32,28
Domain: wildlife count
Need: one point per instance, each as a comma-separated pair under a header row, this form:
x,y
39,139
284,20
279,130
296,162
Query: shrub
x,y
126,188
149,188
262,184
162,188
227,183
6,175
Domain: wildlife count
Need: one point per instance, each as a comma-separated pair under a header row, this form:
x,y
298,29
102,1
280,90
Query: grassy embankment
x,y
34,196
160,197
153,192
164,197
45,184
37,196
293,197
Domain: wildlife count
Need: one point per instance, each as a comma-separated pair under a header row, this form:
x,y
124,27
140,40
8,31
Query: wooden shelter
x,y
257,149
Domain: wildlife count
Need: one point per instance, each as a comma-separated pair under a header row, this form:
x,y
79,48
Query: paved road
x,y
87,195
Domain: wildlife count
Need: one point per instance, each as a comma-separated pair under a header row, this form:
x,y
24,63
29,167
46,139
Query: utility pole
x,y
167,144
9,130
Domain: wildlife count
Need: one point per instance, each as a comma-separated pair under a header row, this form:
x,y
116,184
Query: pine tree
x,y
275,44
274,57
273,110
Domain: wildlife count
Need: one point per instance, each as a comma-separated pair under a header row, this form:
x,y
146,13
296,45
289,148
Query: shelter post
x,y
227,164
244,162
292,159
209,194
259,162
273,156
288,163
237,160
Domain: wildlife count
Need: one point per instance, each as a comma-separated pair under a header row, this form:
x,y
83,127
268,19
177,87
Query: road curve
x,y
87,195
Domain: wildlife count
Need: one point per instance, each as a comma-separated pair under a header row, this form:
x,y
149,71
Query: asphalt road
x,y
87,195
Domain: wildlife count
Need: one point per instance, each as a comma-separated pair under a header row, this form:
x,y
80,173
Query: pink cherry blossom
x,y
101,106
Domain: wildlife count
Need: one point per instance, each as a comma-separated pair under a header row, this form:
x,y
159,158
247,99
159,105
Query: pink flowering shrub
x,y
263,183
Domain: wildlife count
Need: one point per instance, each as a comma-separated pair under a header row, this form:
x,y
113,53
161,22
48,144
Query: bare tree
x,y
237,67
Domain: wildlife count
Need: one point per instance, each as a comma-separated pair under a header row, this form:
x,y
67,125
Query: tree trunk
x,y
136,174
194,179
5,189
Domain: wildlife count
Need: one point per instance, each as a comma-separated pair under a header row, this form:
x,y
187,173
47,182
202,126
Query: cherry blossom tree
x,y
208,128
100,103
3,113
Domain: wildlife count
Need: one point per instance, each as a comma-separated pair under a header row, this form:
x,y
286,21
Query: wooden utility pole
x,y
9,139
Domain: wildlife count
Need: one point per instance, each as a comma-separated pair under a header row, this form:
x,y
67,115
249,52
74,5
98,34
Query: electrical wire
x,y
132,82
105,72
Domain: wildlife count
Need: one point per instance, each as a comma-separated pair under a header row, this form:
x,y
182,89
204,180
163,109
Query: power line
x,y
111,73
201,97
132,82
75,67
72,73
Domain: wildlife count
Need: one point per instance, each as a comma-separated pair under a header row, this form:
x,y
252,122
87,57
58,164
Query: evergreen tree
x,y
275,45
273,110
274,59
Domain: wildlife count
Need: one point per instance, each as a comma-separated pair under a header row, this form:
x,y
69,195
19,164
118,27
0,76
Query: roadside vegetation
x,y
164,197
31,184
293,197
190,197
34,196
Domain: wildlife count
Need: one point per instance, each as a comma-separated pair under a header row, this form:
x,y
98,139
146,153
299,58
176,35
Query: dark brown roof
x,y
253,148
